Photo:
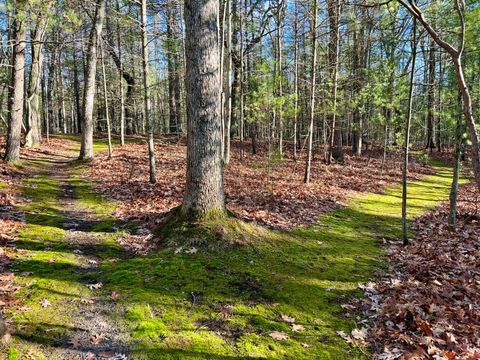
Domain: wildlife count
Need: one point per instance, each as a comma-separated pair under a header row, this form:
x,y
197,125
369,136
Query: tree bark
x,y
15,105
336,142
204,187
76,88
34,134
407,137
174,98
146,95
313,31
86,149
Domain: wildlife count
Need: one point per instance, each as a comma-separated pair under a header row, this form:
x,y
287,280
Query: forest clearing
x,y
239,179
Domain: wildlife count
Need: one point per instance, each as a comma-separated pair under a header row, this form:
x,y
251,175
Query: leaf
x,y
75,342
298,328
95,286
345,336
191,251
279,335
178,250
114,296
96,339
359,334
288,319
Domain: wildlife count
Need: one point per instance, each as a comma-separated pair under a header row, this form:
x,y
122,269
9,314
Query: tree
x,y
336,139
313,32
407,136
456,57
174,100
16,98
33,136
86,149
204,188
146,94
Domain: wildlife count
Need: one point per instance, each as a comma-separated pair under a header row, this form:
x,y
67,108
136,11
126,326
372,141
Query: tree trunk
x,y
105,99
295,90
336,142
204,187
34,134
15,104
430,143
313,31
86,149
76,88
120,80
174,100
407,137
228,92
452,218
146,95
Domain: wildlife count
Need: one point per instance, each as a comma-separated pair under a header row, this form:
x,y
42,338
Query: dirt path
x,y
54,205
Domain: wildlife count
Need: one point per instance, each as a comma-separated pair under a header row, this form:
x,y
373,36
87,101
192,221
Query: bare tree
x,y
456,57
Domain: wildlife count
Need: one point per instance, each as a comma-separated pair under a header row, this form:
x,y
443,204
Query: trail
x,y
92,332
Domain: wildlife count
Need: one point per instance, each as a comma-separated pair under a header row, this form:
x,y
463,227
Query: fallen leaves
x,y
257,190
279,335
428,307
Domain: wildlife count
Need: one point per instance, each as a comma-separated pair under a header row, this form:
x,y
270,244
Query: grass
x,y
173,305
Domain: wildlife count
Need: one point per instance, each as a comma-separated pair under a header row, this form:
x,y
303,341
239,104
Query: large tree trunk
x,y
33,136
86,149
204,188
146,94
15,104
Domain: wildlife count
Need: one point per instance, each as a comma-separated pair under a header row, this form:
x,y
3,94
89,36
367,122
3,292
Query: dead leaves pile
x,y
269,192
428,307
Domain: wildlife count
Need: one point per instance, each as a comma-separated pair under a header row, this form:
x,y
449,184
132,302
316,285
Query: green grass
x,y
170,303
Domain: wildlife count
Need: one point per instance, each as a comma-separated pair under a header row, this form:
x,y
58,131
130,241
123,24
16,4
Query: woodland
x,y
239,179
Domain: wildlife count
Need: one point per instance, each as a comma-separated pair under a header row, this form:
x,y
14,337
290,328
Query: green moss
x,y
173,302
13,354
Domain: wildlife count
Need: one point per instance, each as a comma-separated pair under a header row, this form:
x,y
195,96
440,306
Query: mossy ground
x,y
173,304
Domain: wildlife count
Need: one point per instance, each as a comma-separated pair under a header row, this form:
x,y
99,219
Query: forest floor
x,y
79,282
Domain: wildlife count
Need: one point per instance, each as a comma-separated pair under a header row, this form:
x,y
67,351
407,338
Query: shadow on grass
x,y
172,303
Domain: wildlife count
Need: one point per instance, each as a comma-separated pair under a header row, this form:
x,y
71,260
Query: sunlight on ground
x,y
208,305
